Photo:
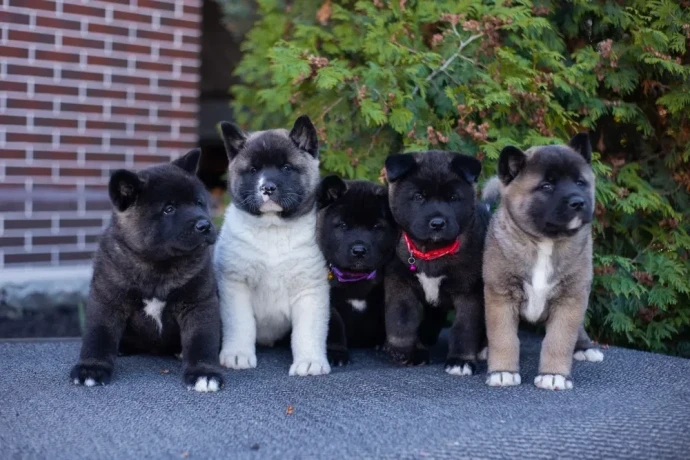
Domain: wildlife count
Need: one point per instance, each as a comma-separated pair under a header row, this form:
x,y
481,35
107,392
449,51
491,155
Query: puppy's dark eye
x,y
287,167
252,170
418,197
580,183
378,226
342,225
199,203
169,209
546,187
454,197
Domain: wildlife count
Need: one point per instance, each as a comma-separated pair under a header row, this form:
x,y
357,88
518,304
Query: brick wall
x,y
86,87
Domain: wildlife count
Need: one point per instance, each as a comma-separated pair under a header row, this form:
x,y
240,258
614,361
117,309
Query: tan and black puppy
x,y
538,260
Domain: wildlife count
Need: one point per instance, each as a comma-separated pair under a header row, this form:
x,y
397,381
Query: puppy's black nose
x,y
576,203
358,250
268,188
437,223
202,226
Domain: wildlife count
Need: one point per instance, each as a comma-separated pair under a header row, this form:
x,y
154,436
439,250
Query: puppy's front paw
x,y
456,366
310,367
593,355
407,356
203,381
503,379
236,359
553,382
91,374
338,357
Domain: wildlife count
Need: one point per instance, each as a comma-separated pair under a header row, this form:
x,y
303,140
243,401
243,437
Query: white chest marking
x,y
430,286
359,305
538,291
154,309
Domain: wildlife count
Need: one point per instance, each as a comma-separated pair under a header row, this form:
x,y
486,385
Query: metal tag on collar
x,y
411,261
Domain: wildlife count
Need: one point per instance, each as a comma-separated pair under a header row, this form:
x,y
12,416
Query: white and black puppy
x,y
271,273
153,288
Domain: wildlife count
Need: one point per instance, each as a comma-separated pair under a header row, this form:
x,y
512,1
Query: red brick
x,y
75,256
106,61
108,30
180,23
154,66
34,4
80,172
187,130
151,159
80,140
26,224
130,111
27,171
14,86
76,223
131,48
106,93
168,52
147,127
189,70
164,143
11,205
82,42
12,120
119,2
57,56
14,69
48,240
26,258
131,17
58,122
108,157
55,23
178,84
90,239
8,51
156,5
81,108
99,205
155,35
191,9
29,104
129,80
176,114
56,89
95,124
129,142
7,154
153,97
83,10
55,205
13,18
8,241
51,188
34,37
27,137
77,75
55,156
191,40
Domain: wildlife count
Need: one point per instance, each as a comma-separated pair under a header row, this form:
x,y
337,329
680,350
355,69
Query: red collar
x,y
434,253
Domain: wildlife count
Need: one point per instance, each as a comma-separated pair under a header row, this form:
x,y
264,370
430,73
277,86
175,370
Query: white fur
x,y
503,379
575,223
272,279
538,291
206,385
459,370
154,310
359,305
430,286
591,354
553,382
90,382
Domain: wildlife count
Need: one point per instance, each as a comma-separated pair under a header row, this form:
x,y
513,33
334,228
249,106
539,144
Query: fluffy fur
x,y
357,234
432,198
153,287
538,259
272,276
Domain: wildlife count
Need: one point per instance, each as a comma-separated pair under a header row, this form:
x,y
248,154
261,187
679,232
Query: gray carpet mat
x,y
633,405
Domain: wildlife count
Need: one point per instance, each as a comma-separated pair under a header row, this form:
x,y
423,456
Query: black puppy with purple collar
x,y
357,234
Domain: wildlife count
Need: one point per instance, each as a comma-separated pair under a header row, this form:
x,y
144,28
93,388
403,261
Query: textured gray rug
x,y
633,405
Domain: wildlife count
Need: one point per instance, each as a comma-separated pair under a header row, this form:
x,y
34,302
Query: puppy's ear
x,y
510,163
189,161
580,143
399,165
233,138
304,136
124,187
330,189
466,166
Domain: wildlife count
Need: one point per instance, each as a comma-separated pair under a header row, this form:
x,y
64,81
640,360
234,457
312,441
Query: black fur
x,y
355,214
156,246
436,185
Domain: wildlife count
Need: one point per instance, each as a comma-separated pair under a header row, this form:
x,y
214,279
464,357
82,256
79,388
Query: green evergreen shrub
x,y
473,76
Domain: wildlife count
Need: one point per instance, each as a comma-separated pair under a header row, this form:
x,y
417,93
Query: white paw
x,y
206,385
310,367
89,382
484,354
503,379
459,370
593,355
238,359
553,382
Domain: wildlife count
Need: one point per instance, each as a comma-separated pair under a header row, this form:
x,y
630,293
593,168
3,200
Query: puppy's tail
x,y
491,193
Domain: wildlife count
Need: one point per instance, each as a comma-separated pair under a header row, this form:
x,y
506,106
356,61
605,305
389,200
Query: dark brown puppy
x,y
538,260
439,258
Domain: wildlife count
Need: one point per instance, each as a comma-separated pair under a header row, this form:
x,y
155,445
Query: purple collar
x,y
349,277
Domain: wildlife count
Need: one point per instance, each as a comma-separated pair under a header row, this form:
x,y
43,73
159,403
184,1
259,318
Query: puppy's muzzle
x,y
268,188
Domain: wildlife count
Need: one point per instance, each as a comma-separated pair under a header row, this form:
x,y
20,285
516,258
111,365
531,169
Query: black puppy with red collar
x,y
439,258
